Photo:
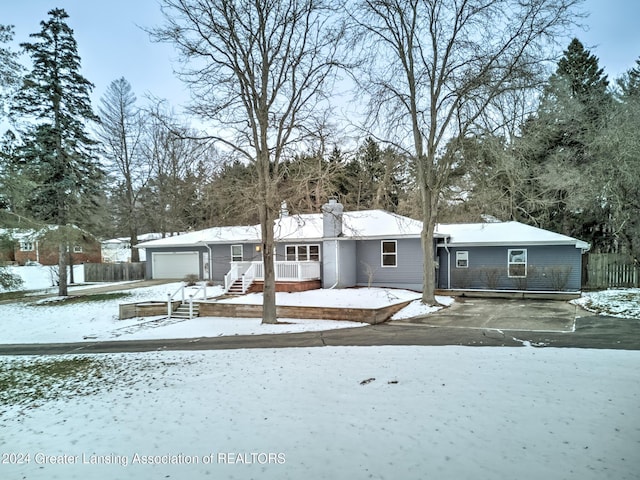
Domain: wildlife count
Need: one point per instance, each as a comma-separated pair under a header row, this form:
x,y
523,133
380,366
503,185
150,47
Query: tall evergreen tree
x,y
617,188
556,144
9,66
57,152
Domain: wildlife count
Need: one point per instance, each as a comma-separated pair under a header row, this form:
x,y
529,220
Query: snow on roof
x,y
304,227
210,235
379,223
504,233
373,224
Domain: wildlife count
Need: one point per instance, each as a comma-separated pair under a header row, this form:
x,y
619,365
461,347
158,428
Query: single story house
x,y
337,249
115,250
40,246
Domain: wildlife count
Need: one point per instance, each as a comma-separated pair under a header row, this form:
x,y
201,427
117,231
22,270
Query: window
x,y
389,253
77,249
236,253
26,247
517,263
302,253
462,259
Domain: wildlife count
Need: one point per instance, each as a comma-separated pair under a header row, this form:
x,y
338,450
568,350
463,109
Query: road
x,y
590,332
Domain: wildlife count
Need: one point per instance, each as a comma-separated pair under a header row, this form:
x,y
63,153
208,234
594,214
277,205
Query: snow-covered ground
x,y
41,277
327,413
59,320
623,303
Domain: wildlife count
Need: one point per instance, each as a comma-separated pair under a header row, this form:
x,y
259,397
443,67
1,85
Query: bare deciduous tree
x,y
435,68
121,130
258,70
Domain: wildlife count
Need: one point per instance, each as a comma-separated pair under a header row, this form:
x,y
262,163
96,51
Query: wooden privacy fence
x,y
114,272
608,270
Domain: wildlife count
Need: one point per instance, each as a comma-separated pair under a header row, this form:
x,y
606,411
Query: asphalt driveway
x,y
503,314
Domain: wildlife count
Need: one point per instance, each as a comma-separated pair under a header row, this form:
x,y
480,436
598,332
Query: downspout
x,y
210,262
448,264
337,268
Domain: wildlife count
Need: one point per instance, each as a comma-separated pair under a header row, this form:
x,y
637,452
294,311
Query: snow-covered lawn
x,y
39,277
86,319
623,303
323,413
76,320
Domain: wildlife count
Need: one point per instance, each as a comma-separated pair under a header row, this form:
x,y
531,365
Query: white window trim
x,y
77,249
509,262
460,256
383,254
241,252
296,247
26,246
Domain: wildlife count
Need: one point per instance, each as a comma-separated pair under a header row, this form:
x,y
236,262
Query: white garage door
x,y
175,265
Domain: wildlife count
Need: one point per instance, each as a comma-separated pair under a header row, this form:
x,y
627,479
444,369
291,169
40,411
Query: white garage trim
x,y
175,264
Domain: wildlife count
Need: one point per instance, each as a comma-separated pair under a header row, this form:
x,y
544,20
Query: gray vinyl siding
x,y
550,268
150,251
407,273
348,264
221,258
339,263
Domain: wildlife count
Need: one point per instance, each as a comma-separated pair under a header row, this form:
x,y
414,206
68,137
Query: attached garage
x,y
175,264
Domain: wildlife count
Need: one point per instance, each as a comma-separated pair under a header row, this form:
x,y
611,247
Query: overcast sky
x,y
112,44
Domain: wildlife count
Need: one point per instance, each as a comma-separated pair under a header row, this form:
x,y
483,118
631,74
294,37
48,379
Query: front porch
x,y
290,276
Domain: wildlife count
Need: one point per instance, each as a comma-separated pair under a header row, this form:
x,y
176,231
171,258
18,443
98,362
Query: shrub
x,y
490,276
559,276
190,279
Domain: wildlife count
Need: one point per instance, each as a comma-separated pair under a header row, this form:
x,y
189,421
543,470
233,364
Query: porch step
x,y
183,311
236,288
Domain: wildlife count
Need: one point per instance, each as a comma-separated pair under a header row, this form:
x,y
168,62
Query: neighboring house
x,y
336,249
40,246
118,249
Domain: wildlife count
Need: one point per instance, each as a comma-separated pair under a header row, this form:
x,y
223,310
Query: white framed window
x,y
302,253
27,246
517,262
462,259
77,249
389,253
236,253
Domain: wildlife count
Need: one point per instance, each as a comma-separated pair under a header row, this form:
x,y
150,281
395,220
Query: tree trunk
x,y
62,270
133,235
268,258
426,239
70,263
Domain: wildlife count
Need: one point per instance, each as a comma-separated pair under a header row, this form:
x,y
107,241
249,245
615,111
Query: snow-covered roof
x,y
373,224
306,227
125,240
504,233
210,235
30,234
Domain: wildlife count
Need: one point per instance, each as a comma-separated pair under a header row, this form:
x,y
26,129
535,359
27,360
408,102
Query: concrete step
x,y
183,311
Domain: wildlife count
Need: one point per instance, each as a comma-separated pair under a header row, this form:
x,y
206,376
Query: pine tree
x,y
556,144
57,152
